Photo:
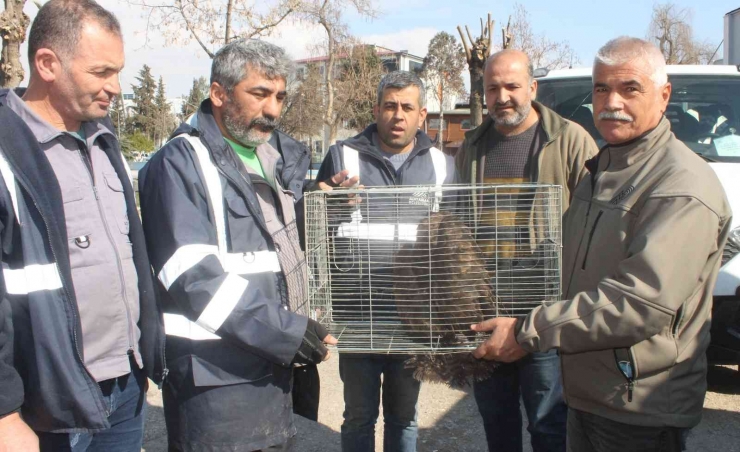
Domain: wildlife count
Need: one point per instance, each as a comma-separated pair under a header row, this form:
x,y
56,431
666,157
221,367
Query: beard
x,y
249,133
514,118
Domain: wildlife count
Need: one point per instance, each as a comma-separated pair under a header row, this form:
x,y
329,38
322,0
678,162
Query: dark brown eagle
x,y
441,287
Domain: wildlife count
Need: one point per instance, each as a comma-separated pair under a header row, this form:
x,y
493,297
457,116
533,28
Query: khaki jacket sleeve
x,y
674,241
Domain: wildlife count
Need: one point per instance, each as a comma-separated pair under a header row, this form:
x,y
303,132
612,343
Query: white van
x,y
704,111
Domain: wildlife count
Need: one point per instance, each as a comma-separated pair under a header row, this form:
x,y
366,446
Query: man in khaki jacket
x,y
520,141
643,240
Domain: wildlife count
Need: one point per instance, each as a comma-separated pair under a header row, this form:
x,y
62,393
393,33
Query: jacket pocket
x,y
117,202
590,238
74,212
626,366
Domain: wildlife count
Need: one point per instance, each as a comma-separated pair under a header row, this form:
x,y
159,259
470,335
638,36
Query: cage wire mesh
x,y
409,269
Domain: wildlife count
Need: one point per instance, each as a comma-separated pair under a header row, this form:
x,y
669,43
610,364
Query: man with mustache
x,y
520,141
642,247
86,328
220,221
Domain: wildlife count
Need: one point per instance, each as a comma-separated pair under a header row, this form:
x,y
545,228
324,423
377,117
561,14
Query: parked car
x,y
704,112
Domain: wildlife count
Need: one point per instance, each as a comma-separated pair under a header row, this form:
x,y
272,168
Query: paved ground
x,y
449,420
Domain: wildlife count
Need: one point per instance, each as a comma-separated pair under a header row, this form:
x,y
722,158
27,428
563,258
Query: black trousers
x,y
306,392
591,433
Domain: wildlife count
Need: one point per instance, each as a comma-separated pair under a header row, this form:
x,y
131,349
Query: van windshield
x,y
704,111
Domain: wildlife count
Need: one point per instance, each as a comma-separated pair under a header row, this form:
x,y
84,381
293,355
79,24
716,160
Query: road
x,y
449,420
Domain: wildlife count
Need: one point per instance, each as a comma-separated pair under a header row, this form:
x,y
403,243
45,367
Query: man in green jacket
x,y
643,240
520,141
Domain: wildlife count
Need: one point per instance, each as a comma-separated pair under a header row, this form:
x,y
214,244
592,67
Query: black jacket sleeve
x,y
11,386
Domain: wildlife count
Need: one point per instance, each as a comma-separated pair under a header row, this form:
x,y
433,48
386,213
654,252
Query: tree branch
x,y
468,55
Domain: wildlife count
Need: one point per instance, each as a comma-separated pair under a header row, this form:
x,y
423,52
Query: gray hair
x,y
58,24
500,53
233,61
401,80
624,49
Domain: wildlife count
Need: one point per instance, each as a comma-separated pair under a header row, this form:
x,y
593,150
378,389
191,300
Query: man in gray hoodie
x,y
642,246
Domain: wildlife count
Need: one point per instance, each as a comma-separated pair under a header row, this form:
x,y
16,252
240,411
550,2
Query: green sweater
x,y
247,155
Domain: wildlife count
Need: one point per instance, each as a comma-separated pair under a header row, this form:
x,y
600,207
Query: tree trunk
x,y
441,128
13,24
229,9
477,98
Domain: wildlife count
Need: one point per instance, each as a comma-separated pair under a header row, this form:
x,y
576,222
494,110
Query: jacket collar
x,y
552,124
363,142
627,154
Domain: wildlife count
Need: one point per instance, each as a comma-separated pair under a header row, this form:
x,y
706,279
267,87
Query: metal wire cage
x,y
409,269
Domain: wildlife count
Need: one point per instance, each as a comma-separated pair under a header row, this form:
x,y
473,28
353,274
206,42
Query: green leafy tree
x,y
145,110
198,92
163,120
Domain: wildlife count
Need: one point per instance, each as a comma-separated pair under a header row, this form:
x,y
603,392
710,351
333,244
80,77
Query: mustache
x,y
264,123
504,105
616,115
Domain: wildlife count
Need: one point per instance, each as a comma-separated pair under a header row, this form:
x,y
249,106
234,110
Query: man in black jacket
x,y
86,328
218,207
15,435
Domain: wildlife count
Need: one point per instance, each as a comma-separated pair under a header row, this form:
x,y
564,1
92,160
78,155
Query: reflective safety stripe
x,y
223,302
248,263
178,325
32,278
7,175
188,256
378,231
213,187
351,161
439,161
185,258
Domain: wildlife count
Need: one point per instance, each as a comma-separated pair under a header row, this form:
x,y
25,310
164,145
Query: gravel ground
x,y
449,420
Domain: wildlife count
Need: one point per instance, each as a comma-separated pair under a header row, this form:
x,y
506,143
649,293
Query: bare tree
x,y
670,29
213,23
477,52
328,14
13,24
542,52
356,86
442,70
303,111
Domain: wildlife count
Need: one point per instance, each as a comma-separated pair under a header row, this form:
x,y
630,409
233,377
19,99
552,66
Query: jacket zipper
x,y
88,165
626,365
590,237
75,310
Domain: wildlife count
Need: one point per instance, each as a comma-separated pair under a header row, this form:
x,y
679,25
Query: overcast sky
x,y
586,24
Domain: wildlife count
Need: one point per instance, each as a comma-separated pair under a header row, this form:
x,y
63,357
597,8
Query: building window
x,y
415,67
434,124
128,96
465,124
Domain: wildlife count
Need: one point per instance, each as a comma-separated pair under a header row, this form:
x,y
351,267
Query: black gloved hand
x,y
312,349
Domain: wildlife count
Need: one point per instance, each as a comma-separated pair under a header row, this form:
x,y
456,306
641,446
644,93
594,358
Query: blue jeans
x,y
361,378
538,376
125,401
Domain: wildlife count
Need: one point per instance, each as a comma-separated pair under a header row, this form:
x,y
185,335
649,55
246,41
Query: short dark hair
x,y
58,24
401,80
